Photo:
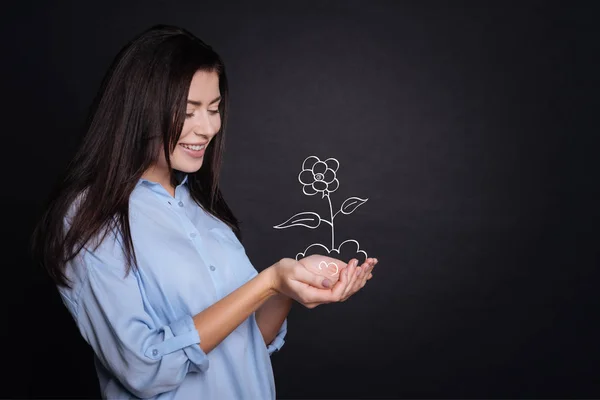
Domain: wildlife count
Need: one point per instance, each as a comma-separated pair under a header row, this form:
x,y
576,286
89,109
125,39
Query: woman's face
x,y
202,122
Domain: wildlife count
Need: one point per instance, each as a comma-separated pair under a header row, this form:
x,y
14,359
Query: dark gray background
x,y
469,128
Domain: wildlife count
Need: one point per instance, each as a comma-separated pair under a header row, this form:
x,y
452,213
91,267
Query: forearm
x,y
271,314
216,322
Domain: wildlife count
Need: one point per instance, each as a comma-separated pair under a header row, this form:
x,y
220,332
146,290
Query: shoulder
x,y
103,249
102,257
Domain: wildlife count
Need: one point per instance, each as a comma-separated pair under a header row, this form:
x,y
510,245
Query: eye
x,y
189,115
213,112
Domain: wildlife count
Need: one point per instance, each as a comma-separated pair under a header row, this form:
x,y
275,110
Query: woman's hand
x,y
297,280
325,266
352,279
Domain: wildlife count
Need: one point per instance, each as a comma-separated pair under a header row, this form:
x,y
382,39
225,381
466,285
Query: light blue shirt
x,y
140,326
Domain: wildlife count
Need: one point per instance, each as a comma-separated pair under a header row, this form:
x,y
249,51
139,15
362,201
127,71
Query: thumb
x,y
312,279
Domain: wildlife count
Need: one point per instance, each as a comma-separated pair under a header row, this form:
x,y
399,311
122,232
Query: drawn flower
x,y
319,176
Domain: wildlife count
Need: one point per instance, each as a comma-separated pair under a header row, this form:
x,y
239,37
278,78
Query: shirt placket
x,y
216,273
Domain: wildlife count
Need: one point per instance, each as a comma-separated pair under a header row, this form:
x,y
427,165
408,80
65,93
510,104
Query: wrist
x,y
271,280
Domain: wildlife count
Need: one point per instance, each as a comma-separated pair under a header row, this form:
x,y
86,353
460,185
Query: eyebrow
x,y
199,103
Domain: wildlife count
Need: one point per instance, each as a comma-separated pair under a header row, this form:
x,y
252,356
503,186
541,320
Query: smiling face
x,y
202,123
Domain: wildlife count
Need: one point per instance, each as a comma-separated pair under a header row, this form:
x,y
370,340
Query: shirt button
x,y
181,204
192,235
155,352
212,268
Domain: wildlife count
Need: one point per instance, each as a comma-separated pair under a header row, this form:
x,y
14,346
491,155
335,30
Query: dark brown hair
x,y
139,111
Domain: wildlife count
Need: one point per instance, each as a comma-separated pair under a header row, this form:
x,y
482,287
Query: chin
x,y
188,168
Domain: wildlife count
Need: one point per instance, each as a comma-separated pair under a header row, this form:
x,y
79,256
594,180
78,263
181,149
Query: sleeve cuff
x,y
181,335
278,342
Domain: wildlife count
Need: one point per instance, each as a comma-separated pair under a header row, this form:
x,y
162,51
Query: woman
x,y
144,249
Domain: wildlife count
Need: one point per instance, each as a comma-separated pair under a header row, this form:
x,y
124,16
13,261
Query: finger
x,y
343,279
360,277
363,277
351,268
340,287
305,276
359,280
352,271
306,294
369,272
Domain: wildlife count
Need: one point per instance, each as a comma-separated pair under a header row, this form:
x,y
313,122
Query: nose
x,y
206,126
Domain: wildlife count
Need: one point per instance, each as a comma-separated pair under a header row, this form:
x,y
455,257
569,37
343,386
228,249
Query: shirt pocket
x,y
233,251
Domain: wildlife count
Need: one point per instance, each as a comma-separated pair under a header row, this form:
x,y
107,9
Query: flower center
x,y
319,177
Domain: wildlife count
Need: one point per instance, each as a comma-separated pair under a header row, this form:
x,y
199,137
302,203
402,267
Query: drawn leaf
x,y
351,204
307,219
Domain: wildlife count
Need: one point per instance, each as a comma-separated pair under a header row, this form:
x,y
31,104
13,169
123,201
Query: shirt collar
x,y
181,177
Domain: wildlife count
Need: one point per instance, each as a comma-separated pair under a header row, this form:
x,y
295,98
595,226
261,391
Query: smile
x,y
194,147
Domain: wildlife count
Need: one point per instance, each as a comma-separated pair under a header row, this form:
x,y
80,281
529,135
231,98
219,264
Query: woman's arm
x,y
216,322
274,289
271,314
148,358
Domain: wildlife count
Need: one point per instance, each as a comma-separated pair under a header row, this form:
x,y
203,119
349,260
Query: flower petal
x,y
309,162
306,177
329,176
333,186
319,167
319,186
333,164
309,190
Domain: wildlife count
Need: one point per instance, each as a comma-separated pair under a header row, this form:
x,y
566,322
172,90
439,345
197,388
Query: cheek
x,y
217,124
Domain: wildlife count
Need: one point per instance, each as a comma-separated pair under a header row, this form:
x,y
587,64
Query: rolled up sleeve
x,y
278,342
147,358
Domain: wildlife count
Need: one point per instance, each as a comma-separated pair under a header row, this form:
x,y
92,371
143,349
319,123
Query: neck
x,y
161,177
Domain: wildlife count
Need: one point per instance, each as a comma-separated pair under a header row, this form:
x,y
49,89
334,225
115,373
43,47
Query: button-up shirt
x,y
140,324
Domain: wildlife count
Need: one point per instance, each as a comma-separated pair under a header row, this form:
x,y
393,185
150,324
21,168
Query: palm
x,y
325,266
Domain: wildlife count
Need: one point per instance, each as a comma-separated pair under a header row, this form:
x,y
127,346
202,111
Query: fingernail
x,y
326,283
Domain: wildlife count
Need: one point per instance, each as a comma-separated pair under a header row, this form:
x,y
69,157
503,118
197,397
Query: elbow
x,y
145,387
268,334
142,392
147,370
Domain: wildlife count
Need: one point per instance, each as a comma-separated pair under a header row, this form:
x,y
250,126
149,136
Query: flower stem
x,y
332,228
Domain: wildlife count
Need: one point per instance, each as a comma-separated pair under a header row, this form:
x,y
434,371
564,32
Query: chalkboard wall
x,y
467,130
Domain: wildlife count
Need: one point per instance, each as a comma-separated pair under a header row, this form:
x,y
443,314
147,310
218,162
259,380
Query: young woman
x,y
144,249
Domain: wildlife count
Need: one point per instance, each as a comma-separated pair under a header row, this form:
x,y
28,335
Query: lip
x,y
194,153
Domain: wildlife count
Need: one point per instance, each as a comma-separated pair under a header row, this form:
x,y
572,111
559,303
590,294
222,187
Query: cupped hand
x,y
325,266
352,278
298,281
311,286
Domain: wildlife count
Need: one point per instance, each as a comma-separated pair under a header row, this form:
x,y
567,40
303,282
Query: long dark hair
x,y
139,111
